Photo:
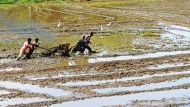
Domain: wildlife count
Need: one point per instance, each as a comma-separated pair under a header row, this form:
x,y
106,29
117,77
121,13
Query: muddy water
x,y
169,65
95,82
45,14
143,56
177,35
59,76
20,20
127,99
35,88
146,86
16,101
179,32
26,14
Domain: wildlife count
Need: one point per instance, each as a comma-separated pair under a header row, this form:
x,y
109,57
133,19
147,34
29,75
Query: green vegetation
x,y
114,42
19,1
151,33
9,46
95,3
7,1
106,3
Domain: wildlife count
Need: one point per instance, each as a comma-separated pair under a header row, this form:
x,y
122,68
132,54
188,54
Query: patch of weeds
x,y
151,33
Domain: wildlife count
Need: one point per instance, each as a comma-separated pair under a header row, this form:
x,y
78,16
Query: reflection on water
x,y
176,33
34,88
22,20
16,101
145,87
134,57
46,14
96,82
126,99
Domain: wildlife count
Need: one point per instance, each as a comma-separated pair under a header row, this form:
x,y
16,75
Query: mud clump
x,y
60,50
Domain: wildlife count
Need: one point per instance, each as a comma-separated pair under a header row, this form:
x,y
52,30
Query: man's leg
x,y
89,48
74,50
28,55
20,55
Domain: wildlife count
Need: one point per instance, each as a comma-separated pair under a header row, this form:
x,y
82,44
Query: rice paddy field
x,y
141,58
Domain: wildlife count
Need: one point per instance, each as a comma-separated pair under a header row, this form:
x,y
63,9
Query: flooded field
x,y
141,54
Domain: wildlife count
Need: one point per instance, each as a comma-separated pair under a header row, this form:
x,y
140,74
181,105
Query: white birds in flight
x,y
109,24
101,27
59,24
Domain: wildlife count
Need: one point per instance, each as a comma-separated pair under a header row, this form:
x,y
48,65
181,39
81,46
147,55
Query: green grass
x,y
19,1
107,3
150,33
7,6
12,47
7,1
114,42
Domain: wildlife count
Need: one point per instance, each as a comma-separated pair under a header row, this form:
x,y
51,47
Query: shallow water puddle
x,y
145,87
10,69
126,99
59,76
16,101
162,66
143,56
176,33
2,92
45,77
180,30
96,82
34,88
185,105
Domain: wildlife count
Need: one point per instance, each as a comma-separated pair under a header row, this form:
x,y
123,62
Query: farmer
x,y
31,50
26,45
80,46
83,44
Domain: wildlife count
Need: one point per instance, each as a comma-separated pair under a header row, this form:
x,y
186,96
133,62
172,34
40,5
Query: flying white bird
x,y
101,28
72,63
165,28
59,24
109,24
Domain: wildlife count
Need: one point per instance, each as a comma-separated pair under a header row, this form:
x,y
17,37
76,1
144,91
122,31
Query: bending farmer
x,y
26,45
